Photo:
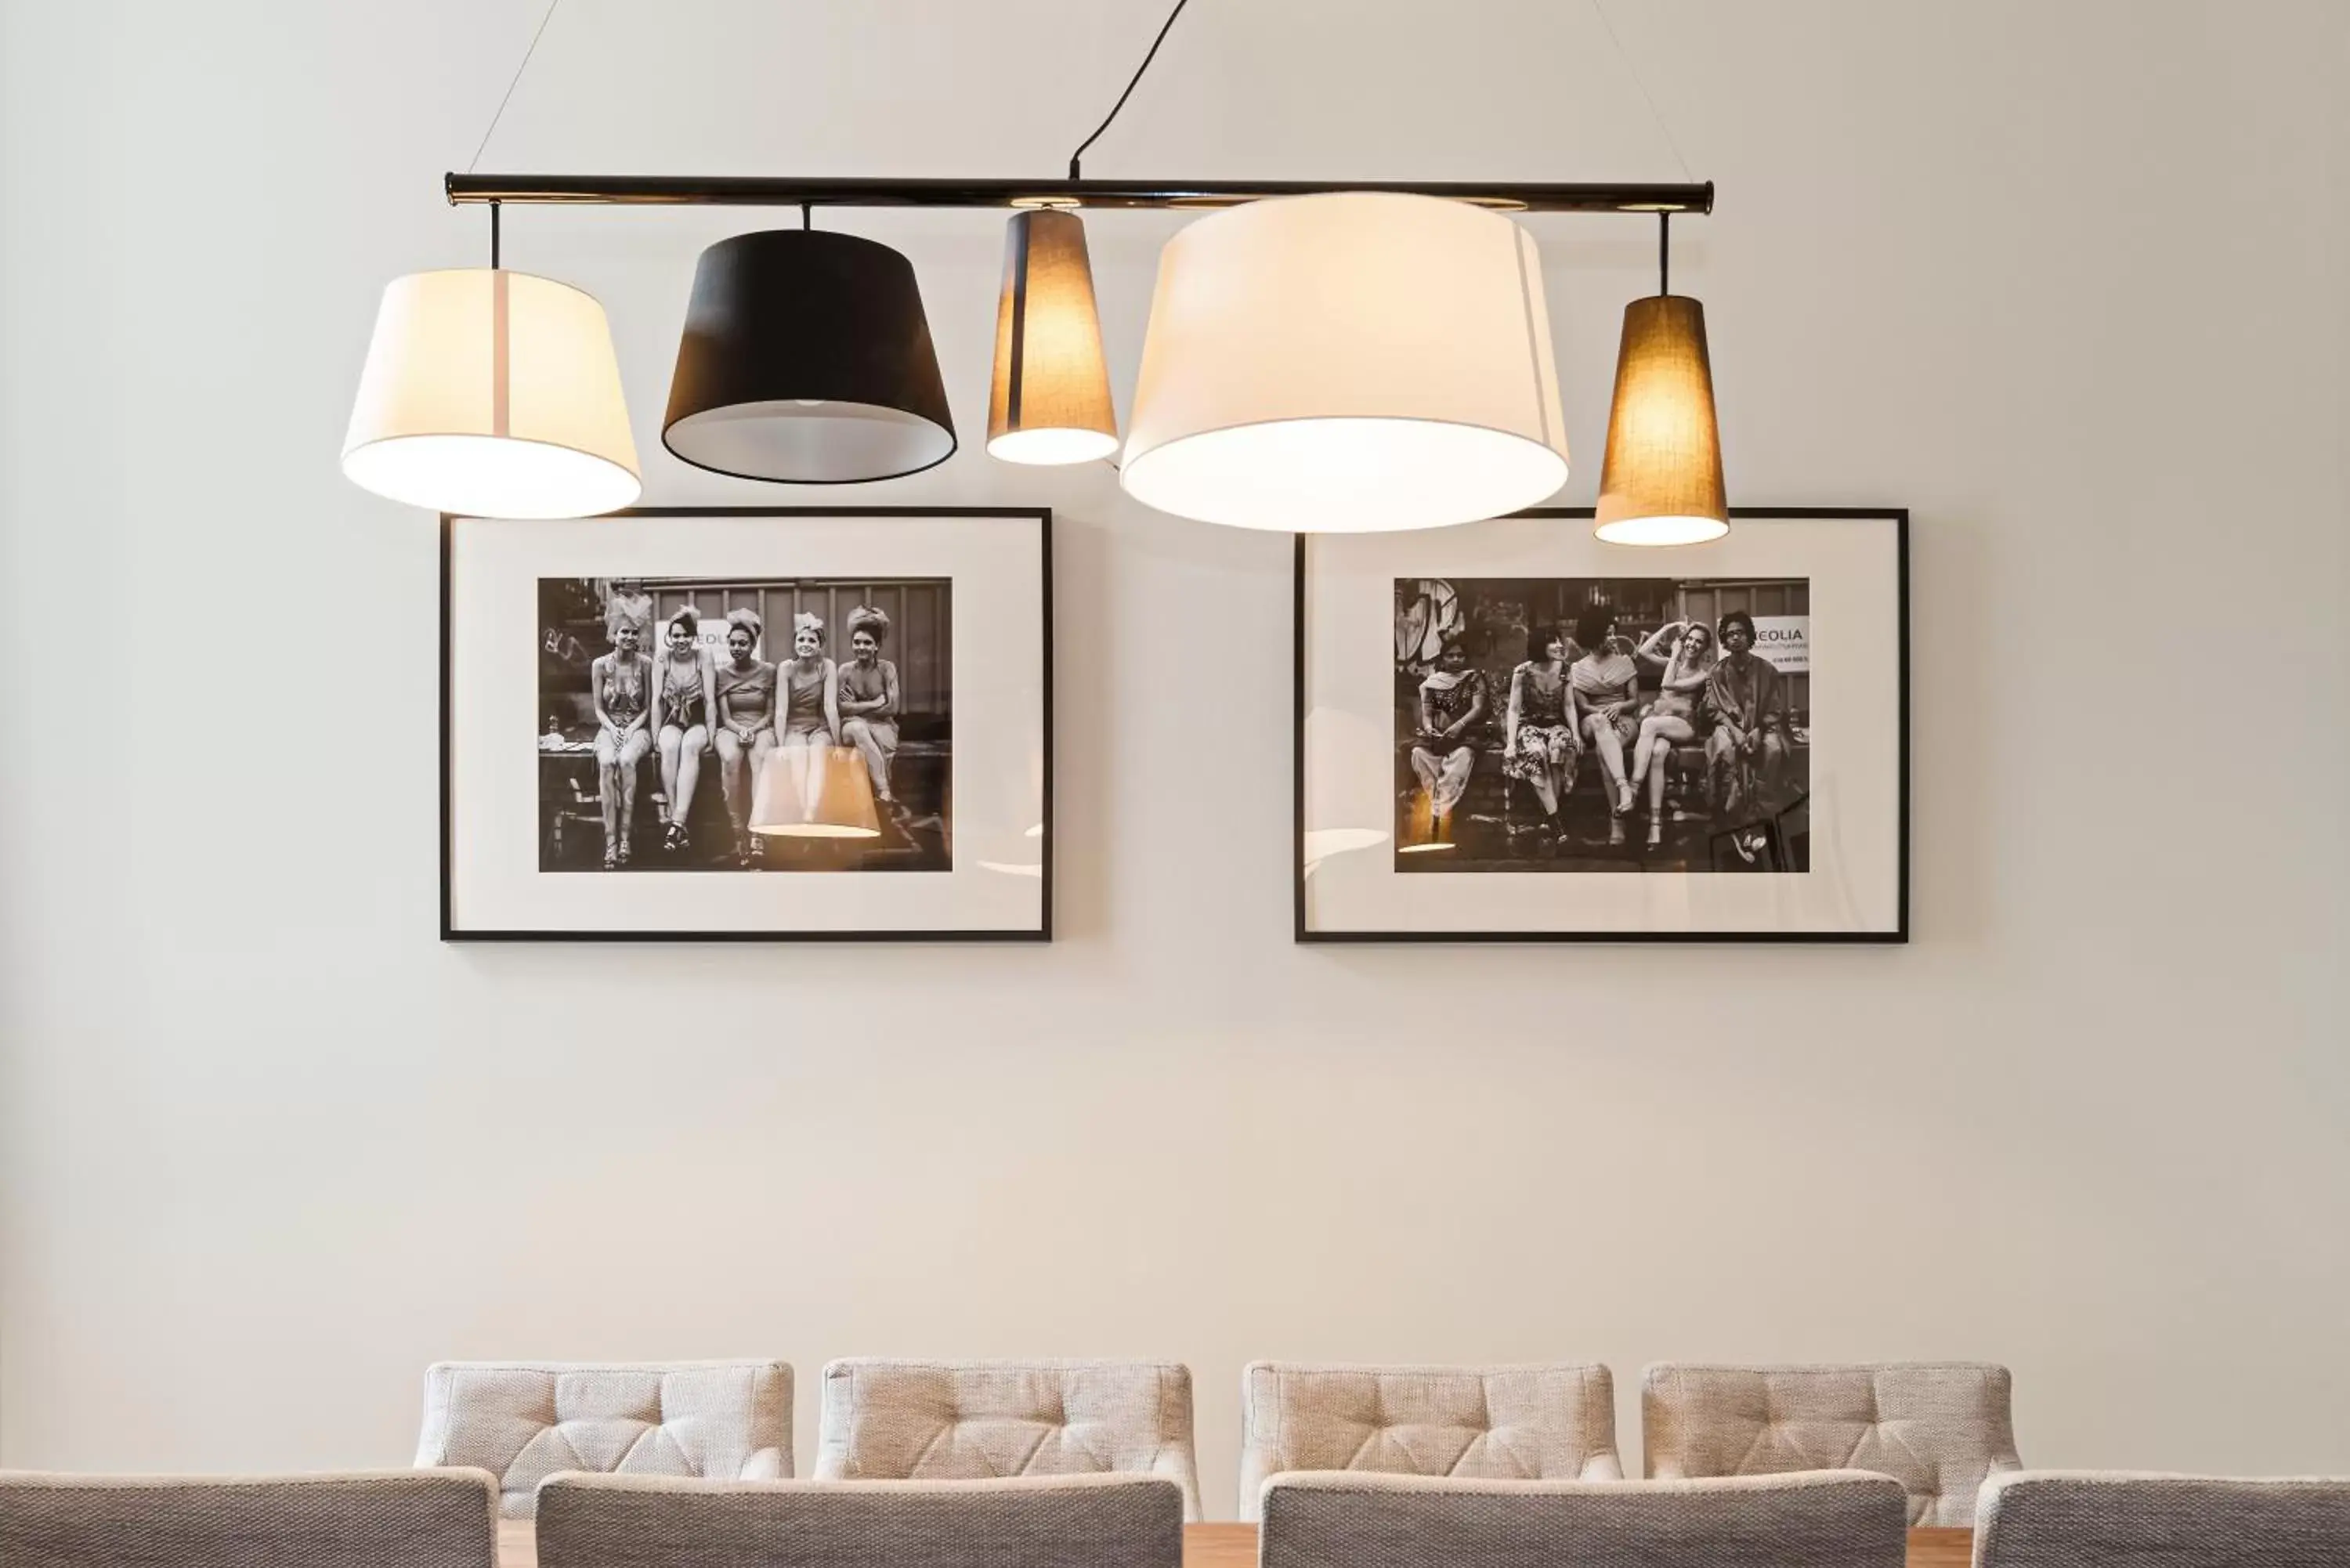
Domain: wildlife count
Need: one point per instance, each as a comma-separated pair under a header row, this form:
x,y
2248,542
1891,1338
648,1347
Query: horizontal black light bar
x,y
720,190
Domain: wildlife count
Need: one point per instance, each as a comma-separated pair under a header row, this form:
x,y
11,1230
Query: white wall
x,y
2064,278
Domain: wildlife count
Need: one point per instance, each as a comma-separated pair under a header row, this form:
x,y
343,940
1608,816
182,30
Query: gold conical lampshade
x,y
1049,401
1660,483
842,791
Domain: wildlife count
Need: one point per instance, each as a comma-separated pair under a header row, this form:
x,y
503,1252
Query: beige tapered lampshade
x,y
1351,362
1660,482
839,804
494,394
1049,400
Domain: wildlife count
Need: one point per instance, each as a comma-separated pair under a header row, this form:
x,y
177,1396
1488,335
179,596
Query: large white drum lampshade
x,y
1352,362
494,394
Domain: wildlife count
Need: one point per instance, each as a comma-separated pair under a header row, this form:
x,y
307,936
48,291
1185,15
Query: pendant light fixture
x,y
1049,400
806,359
494,394
1350,362
1660,481
837,803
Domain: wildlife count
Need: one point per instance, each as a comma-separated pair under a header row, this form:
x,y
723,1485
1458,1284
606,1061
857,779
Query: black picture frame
x,y
449,931
1895,517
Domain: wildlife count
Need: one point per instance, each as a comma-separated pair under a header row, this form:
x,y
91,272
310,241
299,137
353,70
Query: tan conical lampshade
x,y
843,803
1049,400
494,394
1660,483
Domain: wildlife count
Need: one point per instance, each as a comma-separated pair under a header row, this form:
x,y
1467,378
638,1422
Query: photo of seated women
x,y
664,713
1587,724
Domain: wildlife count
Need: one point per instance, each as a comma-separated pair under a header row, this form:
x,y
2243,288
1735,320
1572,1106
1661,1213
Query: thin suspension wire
x,y
527,54
1633,71
1130,86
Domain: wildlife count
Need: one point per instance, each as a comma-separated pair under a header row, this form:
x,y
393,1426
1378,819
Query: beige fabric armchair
x,y
1064,1522
956,1420
361,1519
1938,1428
1832,1519
2093,1519
524,1420
1494,1423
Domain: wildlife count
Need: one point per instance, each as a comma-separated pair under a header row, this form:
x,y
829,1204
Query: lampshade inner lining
x,y
819,442
491,476
1351,474
1049,446
1662,530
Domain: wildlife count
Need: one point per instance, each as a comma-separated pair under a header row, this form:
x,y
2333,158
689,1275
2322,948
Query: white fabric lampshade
x,y
1352,362
839,804
495,394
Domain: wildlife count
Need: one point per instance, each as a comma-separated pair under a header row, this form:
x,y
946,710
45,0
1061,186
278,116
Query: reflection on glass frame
x,y
748,724
1582,741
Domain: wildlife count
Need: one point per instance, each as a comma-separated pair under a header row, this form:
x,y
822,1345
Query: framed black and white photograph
x,y
735,723
1514,732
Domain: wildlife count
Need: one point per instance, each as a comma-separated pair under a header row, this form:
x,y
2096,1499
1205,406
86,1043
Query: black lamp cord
x,y
1664,254
1130,85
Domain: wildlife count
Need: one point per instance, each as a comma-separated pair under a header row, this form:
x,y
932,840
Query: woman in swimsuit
x,y
811,724
870,703
746,731
1671,719
1605,685
1539,744
682,701
616,684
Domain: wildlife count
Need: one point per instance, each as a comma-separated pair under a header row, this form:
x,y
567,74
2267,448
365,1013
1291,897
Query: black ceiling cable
x,y
1129,93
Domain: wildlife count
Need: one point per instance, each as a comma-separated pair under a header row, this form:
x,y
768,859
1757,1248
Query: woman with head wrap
x,y
617,685
683,700
870,703
626,603
745,731
1452,701
811,721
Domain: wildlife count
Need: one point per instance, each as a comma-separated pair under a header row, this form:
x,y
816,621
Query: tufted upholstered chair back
x,y
524,1420
1064,1522
364,1519
1938,1428
1837,1519
1494,1423
2105,1519
958,1420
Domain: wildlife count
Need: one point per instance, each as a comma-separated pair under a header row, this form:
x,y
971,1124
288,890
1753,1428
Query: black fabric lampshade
x,y
806,359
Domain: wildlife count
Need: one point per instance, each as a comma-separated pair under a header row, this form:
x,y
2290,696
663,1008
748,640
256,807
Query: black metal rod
x,y
494,236
720,190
